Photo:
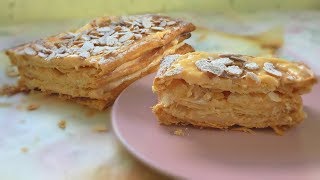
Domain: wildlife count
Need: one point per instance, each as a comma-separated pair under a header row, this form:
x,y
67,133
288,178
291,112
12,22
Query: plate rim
x,y
125,143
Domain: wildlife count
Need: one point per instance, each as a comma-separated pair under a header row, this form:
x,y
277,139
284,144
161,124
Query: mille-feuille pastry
x,y
93,64
225,90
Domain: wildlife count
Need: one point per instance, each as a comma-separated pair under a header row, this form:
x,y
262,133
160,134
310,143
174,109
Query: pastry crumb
x,y
100,129
4,104
10,90
62,124
12,71
179,132
280,130
32,107
19,107
91,113
24,150
243,129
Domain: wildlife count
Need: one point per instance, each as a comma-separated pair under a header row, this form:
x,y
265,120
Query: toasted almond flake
x,y
238,58
136,23
269,68
85,38
62,55
254,77
137,36
97,50
95,41
78,43
126,37
171,23
163,24
61,50
128,42
274,97
146,22
225,61
84,54
39,47
125,29
87,45
67,36
94,37
157,28
144,31
51,56
252,66
206,66
43,55
104,29
109,41
30,51
234,70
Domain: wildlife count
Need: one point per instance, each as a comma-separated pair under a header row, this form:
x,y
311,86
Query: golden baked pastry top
x,y
104,41
237,73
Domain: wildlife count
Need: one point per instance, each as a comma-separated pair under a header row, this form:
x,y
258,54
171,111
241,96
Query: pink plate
x,y
209,153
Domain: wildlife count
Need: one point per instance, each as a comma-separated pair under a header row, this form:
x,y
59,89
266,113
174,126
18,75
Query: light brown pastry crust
x,y
93,64
222,91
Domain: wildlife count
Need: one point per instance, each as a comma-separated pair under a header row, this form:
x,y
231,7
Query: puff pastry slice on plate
x,y
93,64
226,90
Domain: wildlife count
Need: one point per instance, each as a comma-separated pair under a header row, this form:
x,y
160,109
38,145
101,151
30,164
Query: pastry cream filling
x,y
202,104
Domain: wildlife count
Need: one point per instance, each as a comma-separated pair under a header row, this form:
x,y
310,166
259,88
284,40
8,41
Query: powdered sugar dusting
x,y
174,71
166,63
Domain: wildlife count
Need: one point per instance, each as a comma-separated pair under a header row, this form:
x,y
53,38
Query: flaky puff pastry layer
x,y
226,90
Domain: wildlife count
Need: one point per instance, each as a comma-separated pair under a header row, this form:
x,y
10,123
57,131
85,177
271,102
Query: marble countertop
x,y
32,144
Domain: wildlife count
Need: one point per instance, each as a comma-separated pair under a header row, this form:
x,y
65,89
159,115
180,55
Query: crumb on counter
x,y
10,90
32,107
4,104
100,129
12,71
24,150
91,113
62,124
19,107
